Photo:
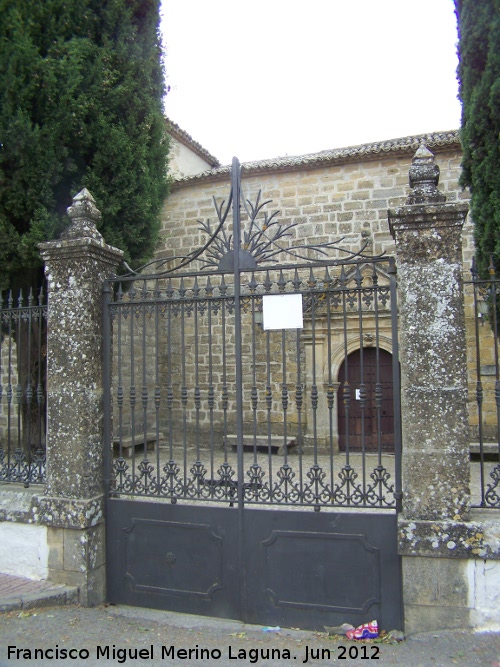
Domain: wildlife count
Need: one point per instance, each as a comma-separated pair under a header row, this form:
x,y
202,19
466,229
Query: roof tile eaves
x,y
181,135
293,163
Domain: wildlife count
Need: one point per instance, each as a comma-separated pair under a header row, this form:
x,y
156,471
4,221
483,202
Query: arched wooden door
x,y
370,425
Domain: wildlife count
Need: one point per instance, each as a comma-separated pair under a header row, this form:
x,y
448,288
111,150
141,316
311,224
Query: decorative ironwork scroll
x,y
261,240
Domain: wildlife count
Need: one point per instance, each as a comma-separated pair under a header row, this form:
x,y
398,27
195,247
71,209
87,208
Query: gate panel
x,y
317,569
177,558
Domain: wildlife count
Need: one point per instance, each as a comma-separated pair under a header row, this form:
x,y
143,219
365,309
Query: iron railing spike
x,y
41,296
491,268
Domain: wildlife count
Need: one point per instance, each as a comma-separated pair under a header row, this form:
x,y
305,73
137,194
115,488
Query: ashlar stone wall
x,y
334,196
341,195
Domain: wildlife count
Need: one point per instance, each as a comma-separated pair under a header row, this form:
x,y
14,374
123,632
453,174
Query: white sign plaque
x,y
282,311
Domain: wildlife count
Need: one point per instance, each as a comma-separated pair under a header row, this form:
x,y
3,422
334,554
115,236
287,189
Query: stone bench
x,y
136,442
262,444
489,448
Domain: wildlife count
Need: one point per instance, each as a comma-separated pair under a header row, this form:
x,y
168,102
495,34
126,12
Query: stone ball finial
x,y
84,216
424,179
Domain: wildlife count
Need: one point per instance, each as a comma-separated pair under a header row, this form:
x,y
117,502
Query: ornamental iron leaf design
x,y
264,238
23,468
288,486
492,495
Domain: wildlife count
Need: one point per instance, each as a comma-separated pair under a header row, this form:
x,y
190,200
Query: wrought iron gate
x,y
221,402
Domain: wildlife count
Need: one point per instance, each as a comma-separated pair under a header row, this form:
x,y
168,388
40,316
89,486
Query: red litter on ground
x,y
365,631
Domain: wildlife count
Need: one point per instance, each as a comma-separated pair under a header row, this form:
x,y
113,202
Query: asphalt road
x,y
128,636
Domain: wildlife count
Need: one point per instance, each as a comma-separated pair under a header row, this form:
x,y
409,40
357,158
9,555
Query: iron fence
x,y
315,431
485,385
22,388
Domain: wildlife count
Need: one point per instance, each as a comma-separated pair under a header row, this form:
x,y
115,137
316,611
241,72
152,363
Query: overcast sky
x,y
267,78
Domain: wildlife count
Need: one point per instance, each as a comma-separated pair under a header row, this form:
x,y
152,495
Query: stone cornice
x,y
31,506
427,216
479,538
78,248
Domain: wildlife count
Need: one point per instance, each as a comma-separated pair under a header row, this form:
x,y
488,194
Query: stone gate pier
x,y
72,508
451,566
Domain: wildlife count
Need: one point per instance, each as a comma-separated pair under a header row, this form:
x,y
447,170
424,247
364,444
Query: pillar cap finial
x,y
84,216
424,179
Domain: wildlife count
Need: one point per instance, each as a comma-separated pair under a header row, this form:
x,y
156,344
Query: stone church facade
x,y
337,195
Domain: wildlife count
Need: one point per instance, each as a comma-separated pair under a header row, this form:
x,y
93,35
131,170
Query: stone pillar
x,y
73,505
435,540
428,235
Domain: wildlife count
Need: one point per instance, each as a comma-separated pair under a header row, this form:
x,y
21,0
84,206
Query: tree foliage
x,y
81,90
479,79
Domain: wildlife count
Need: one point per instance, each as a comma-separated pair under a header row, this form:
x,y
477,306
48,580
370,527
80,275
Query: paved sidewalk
x,y
44,617
21,593
66,636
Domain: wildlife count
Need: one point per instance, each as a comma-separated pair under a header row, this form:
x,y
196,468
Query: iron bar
x,y
107,375
396,383
157,391
235,188
486,295
479,398
361,392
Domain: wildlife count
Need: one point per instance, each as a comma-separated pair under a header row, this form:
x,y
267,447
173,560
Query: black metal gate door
x,y
227,493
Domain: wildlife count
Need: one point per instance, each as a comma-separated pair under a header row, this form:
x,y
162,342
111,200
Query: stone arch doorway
x,y
370,425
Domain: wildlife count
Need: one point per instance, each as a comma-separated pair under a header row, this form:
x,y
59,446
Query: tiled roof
x,y
181,135
402,146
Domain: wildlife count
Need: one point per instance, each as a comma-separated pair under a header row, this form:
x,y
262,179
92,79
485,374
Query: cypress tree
x,y
479,80
81,105
81,90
